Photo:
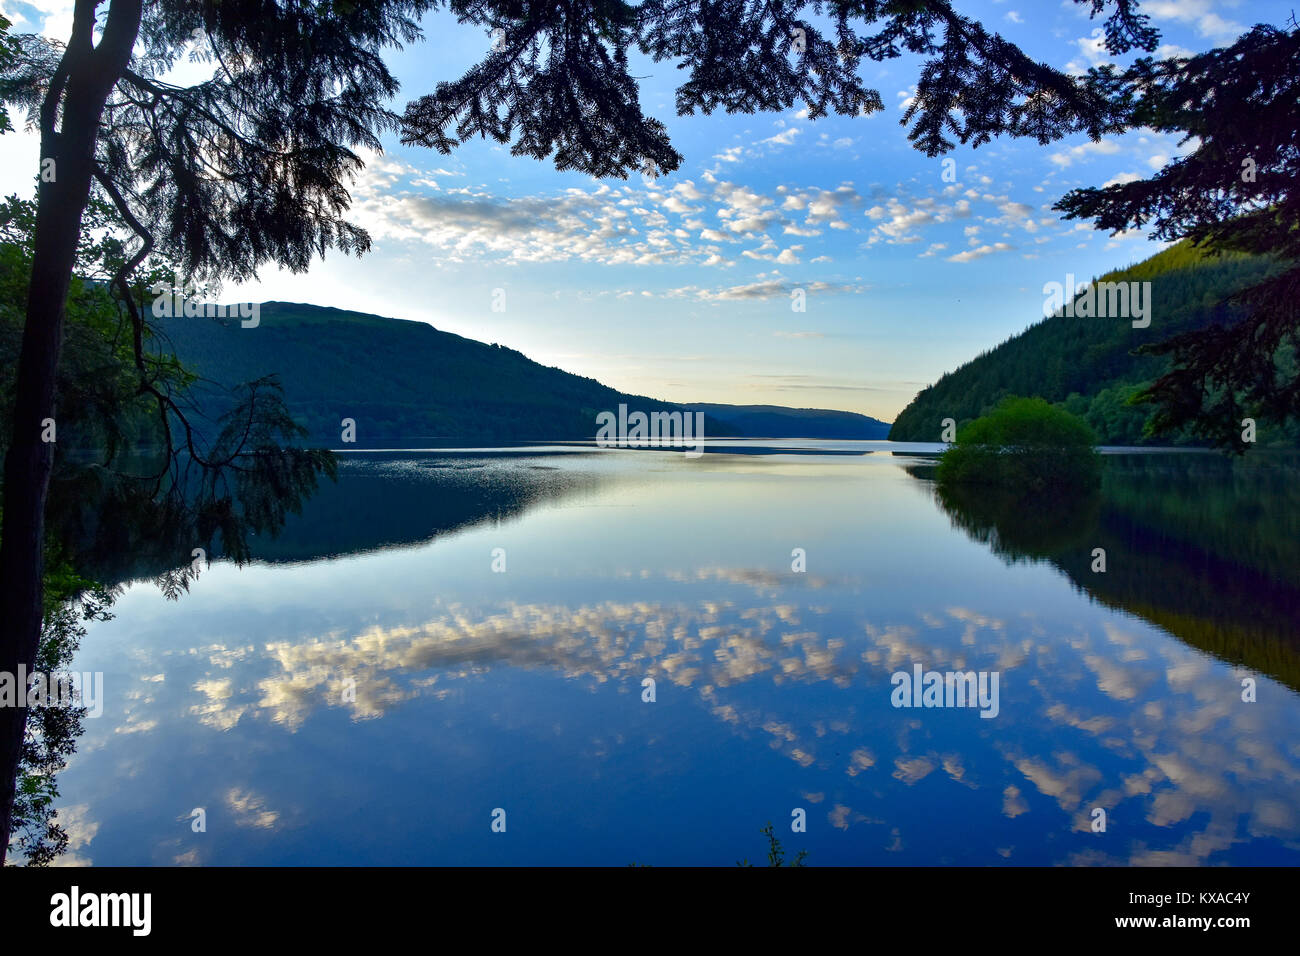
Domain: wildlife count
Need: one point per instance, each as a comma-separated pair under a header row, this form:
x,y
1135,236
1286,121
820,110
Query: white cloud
x,y
1122,178
610,225
1197,13
901,219
784,138
1064,158
686,190
766,289
971,254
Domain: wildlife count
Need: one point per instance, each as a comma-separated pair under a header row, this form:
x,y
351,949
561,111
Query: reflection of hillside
x,y
1205,548
379,501
384,502
1240,614
1018,528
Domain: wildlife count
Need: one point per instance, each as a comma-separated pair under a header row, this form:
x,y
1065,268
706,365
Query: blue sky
x,y
679,287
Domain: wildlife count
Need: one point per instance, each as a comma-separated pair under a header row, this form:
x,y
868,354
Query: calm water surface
x,y
522,690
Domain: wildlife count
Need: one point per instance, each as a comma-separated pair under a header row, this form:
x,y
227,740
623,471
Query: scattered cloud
x,y
1198,14
980,252
1067,157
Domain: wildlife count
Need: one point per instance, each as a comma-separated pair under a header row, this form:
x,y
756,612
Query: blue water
x,y
521,690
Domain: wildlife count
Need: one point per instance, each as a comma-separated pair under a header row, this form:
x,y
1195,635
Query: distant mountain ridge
x,y
401,380
777,421
1087,365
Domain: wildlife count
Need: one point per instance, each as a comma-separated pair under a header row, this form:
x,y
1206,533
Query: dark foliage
x,y
53,727
1097,368
1235,192
558,82
775,854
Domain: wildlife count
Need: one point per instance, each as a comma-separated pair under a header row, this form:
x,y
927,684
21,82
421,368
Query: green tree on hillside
x,y
1026,445
1235,191
1066,356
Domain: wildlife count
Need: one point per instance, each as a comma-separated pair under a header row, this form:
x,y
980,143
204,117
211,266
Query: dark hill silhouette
x,y
1087,365
402,380
776,421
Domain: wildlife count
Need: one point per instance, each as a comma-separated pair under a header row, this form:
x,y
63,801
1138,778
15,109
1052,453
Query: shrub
x,y
1026,445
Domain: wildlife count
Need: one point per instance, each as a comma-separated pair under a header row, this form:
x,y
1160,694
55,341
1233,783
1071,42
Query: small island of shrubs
x,y
1025,445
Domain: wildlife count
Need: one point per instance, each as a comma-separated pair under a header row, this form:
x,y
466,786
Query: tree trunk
x,y
86,76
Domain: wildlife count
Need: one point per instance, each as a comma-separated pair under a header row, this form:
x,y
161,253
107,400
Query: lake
x,y
444,660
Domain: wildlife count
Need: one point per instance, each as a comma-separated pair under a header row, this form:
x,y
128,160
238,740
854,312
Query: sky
x,y
680,287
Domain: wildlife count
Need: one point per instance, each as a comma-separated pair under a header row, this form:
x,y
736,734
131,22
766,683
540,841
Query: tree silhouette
x,y
557,81
1235,190
775,854
247,167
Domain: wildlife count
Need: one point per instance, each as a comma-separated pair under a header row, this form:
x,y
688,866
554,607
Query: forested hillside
x,y
396,379
402,380
1087,365
776,421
